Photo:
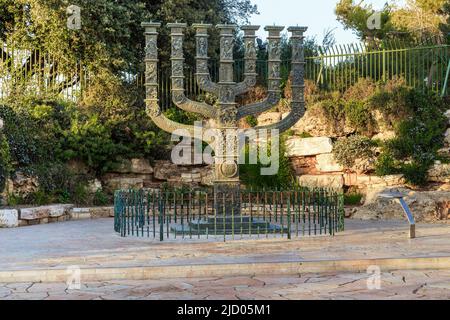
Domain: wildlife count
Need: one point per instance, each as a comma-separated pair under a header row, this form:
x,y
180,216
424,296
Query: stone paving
x,y
394,285
93,243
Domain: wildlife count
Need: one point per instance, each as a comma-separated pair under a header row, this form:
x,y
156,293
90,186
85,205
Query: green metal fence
x,y
423,66
35,71
426,65
287,214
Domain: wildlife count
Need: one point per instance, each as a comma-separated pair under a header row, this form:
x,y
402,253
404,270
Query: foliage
x,y
111,37
354,17
386,165
252,121
417,19
100,198
358,115
418,138
5,161
352,199
348,150
250,174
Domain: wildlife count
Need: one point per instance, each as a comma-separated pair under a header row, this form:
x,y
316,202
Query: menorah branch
x,y
298,83
151,84
252,109
249,60
202,72
178,96
274,79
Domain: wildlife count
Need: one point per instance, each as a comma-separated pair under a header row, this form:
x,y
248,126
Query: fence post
x,y
161,217
384,65
444,88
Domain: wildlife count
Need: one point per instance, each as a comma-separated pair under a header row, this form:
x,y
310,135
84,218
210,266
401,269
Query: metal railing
x,y
426,65
262,214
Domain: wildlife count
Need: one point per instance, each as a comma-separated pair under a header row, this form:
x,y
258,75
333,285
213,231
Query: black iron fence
x,y
259,214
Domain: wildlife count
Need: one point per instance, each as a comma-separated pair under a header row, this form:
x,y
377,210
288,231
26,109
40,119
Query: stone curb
x,y
223,270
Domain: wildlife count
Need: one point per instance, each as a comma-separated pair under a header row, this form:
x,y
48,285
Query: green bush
x,y
5,161
386,165
352,199
250,174
100,198
418,138
347,150
358,116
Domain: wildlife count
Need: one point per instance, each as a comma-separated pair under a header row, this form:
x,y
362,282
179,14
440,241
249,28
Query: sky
x,y
317,15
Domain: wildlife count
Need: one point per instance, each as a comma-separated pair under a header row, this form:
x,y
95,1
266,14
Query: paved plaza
x,y
427,284
93,244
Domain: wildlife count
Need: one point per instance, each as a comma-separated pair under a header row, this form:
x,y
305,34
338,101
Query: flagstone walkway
x,y
394,285
93,243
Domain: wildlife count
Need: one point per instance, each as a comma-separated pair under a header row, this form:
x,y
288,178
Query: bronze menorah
x,y
226,113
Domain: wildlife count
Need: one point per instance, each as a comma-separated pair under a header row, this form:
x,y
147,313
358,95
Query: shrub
x,y
362,90
352,199
347,150
358,115
5,161
100,198
385,165
252,121
250,174
418,138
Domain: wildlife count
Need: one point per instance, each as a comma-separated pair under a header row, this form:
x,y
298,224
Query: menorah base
x,y
227,225
227,198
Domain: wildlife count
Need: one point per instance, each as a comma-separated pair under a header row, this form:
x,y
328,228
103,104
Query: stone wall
x,y
28,216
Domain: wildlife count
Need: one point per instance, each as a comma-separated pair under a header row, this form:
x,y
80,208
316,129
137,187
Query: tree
x,y
354,17
416,20
111,37
420,18
445,26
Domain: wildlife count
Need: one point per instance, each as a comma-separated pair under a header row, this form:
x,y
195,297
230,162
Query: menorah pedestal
x,y
227,218
227,225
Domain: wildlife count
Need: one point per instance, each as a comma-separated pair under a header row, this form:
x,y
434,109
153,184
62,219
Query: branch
x,y
259,107
294,116
154,111
188,105
244,86
204,82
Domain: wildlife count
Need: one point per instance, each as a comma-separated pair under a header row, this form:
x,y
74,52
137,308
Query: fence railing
x,y
336,68
34,71
262,214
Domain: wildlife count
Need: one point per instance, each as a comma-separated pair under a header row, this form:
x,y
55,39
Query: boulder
x,y
165,170
327,163
325,181
121,183
368,181
141,166
53,211
384,135
439,172
94,186
9,218
425,205
447,114
304,165
269,118
300,147
363,165
23,184
317,124
137,166
447,136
